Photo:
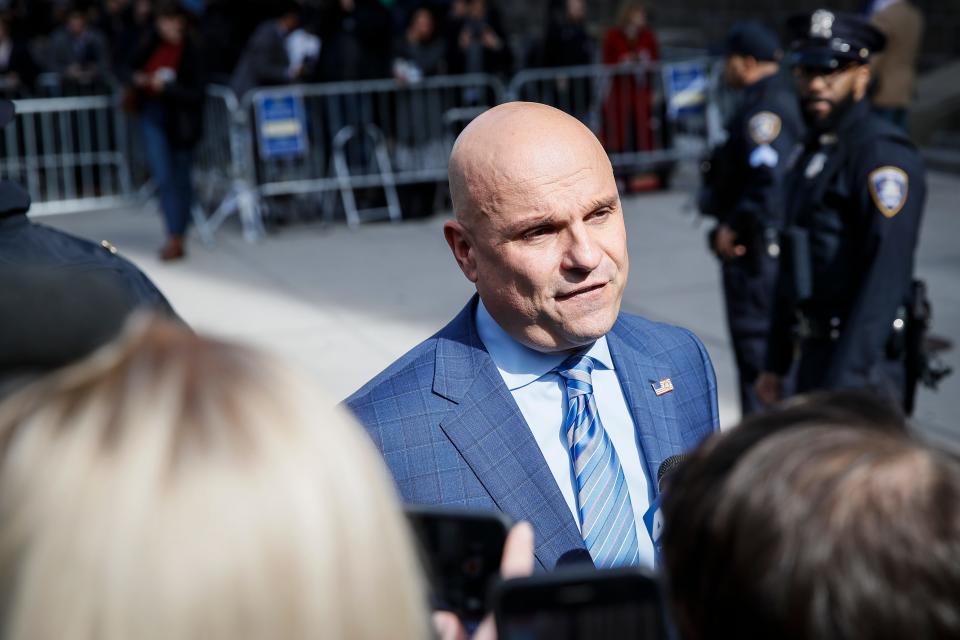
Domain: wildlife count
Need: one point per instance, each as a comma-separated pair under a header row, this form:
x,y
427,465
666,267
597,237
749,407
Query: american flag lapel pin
x,y
662,387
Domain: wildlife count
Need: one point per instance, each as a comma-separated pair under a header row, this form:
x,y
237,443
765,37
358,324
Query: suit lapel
x,y
655,417
488,430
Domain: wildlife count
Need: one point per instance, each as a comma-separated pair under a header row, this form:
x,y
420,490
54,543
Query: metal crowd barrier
x,y
221,167
70,153
351,146
369,135
642,123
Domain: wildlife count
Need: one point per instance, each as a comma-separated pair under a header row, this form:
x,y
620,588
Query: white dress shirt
x,y
541,395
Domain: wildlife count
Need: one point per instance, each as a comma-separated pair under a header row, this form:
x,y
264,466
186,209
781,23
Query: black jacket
x,y
183,98
357,45
21,62
264,60
27,244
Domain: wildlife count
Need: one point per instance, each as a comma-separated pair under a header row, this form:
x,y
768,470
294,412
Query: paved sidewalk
x,y
346,303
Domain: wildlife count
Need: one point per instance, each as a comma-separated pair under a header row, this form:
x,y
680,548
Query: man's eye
x,y
536,233
599,215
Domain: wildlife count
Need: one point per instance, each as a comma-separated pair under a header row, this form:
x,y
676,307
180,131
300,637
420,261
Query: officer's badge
x,y
821,24
815,166
888,188
764,127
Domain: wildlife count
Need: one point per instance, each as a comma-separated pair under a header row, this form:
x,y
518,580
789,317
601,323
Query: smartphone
x,y
581,604
460,550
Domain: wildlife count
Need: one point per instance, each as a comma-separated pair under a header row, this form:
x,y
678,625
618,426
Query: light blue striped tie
x,y
603,500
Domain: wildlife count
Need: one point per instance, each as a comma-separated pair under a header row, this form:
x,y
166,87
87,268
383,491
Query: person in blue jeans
x,y
169,89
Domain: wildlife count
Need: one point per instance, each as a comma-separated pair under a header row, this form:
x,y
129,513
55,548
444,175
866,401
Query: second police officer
x,y
743,189
855,196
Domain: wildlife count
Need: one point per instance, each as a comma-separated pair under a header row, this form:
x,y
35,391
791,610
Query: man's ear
x,y
461,244
861,81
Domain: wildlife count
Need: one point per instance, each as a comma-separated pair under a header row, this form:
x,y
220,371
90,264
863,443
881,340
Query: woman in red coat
x,y
628,107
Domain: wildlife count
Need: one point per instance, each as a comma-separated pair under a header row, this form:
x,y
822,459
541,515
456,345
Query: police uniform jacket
x,y
24,243
745,186
855,197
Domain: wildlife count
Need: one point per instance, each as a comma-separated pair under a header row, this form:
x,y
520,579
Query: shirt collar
x,y
519,365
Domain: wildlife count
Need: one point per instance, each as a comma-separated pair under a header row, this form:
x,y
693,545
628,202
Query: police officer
x,y
743,189
856,195
26,245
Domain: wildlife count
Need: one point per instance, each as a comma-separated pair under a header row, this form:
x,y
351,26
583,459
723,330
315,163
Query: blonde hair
x,y
175,487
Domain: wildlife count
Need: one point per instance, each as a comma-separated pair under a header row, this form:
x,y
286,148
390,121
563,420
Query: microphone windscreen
x,y
575,558
668,466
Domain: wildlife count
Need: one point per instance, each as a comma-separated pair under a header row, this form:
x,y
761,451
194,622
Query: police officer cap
x,y
751,38
7,112
51,317
829,40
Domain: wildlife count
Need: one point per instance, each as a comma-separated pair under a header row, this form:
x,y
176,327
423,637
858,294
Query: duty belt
x,y
811,327
828,327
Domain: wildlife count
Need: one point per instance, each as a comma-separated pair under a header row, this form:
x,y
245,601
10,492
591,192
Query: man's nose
x,y
582,252
816,84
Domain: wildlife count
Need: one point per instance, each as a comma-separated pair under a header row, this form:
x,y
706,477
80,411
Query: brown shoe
x,y
173,250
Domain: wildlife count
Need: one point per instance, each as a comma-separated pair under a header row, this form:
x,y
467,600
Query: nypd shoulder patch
x,y
764,127
888,189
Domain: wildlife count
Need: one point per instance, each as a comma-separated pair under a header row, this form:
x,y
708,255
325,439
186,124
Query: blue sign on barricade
x,y
686,89
281,125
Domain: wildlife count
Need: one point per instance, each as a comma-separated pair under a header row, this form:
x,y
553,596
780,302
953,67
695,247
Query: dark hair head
x,y
819,531
412,14
170,9
282,8
858,409
855,407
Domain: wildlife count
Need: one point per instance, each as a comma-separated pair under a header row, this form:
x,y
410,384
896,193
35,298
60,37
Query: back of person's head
x,y
854,407
171,487
851,408
821,531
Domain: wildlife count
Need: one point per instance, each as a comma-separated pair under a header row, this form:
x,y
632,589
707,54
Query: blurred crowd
x,y
69,47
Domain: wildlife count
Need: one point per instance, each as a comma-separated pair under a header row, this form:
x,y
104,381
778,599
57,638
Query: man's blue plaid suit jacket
x,y
452,434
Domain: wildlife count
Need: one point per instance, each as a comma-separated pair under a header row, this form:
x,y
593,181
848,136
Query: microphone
x,y
667,467
579,558
653,518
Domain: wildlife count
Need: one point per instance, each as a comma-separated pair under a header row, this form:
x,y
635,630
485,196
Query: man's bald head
x,y
503,149
539,227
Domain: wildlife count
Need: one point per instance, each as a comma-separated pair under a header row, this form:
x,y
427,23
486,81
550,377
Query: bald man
x,y
540,399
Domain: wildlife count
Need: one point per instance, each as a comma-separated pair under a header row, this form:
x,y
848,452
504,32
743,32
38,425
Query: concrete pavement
x,y
346,303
